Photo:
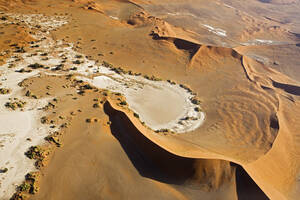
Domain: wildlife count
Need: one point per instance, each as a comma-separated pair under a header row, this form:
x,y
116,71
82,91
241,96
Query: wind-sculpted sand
x,y
48,57
139,102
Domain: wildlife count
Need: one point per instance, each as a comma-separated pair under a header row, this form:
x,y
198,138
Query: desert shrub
x,y
106,64
35,66
197,109
22,70
53,138
96,105
146,77
77,62
195,101
3,18
4,91
136,115
123,103
171,82
20,50
34,152
86,87
15,104
44,120
58,67
4,170
24,187
118,70
185,87
163,130
44,54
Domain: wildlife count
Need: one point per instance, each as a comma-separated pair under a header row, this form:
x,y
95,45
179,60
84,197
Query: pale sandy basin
x,y
159,104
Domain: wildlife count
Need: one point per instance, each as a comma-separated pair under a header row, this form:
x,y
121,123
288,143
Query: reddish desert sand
x,y
135,99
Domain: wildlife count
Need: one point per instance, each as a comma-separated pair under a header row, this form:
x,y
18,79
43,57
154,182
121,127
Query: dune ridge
x,y
262,98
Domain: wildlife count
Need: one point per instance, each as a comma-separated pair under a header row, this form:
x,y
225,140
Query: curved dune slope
x,y
251,107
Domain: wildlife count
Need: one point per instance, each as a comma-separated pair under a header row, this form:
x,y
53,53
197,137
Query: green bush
x,y
4,91
34,152
24,187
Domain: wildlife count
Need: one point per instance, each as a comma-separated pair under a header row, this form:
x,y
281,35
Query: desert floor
x,y
134,99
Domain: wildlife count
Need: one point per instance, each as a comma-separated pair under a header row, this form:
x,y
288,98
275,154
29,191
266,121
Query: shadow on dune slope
x,y
180,44
292,89
156,163
246,187
148,158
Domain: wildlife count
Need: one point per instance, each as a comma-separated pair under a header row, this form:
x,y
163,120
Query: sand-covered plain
x,y
107,149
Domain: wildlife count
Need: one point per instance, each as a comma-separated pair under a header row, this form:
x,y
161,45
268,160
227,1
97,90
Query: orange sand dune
x,y
251,107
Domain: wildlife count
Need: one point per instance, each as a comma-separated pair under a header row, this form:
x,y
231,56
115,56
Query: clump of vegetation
x,y
20,50
23,70
136,115
58,67
86,87
4,91
35,46
3,170
195,101
10,65
29,94
189,118
81,92
35,66
152,78
15,104
197,109
106,64
3,18
164,130
44,54
118,70
19,196
54,138
186,88
123,103
44,120
171,82
49,106
24,187
28,187
34,152
96,105
90,120
32,179
39,154
77,62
